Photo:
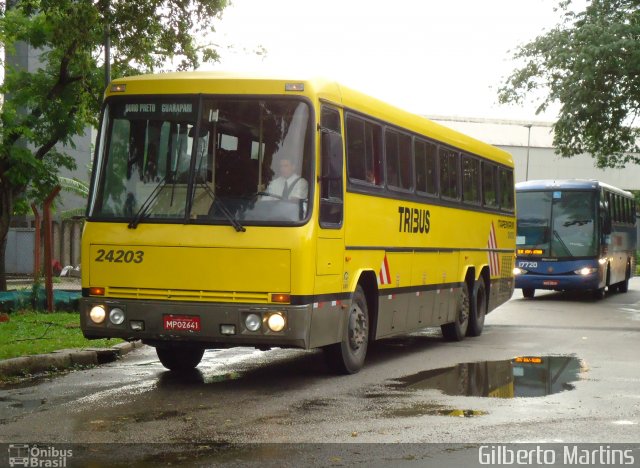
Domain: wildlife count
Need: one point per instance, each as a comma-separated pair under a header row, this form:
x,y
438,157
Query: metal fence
x,y
66,239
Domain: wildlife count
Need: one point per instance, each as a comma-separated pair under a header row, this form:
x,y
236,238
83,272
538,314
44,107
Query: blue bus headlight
x,y
585,271
519,271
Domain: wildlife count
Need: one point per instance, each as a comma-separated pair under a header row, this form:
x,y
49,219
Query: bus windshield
x,y
557,223
226,160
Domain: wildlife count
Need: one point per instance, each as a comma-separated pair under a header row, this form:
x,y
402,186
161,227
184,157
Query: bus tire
x,y
478,309
180,358
598,294
456,331
528,292
347,357
623,286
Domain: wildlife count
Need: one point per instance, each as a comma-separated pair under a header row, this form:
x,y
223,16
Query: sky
x,y
445,58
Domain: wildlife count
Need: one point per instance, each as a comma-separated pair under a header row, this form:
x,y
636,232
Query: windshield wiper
x,y
227,214
144,208
555,233
223,208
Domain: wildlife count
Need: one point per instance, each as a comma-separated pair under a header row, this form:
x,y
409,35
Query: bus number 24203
x,y
120,256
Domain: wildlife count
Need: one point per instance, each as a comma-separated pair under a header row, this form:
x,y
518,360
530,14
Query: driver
x,y
288,185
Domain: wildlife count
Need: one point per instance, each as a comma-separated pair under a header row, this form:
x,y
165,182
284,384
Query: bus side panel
x,y
621,251
422,303
392,315
503,284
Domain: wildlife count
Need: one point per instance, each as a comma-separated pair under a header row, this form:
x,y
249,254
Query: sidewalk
x,y
64,359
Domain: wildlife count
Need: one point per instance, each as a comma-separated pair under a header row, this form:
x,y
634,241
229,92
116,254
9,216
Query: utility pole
x,y
526,174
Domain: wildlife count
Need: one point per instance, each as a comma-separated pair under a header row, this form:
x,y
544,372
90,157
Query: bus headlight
x,y
585,271
116,316
97,314
276,322
519,271
253,322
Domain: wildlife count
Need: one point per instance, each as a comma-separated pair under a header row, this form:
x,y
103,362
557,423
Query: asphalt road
x,y
244,396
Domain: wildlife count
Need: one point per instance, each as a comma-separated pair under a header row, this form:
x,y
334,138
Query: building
x,y
531,144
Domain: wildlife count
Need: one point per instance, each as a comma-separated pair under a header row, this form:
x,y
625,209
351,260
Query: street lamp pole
x,y
526,174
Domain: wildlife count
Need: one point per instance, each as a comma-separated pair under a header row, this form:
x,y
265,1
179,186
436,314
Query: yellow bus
x,y
248,211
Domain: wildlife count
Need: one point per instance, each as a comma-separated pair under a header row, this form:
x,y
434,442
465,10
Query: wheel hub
x,y
357,327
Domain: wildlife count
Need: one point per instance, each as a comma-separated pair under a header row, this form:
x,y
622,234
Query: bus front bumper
x,y
203,324
559,282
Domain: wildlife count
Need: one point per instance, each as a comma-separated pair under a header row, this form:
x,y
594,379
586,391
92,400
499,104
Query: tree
x,y
590,65
44,109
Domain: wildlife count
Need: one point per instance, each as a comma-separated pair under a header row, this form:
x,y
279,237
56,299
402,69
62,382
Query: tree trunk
x,y
6,209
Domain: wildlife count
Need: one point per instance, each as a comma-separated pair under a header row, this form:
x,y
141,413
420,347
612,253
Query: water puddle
x,y
526,376
426,409
194,377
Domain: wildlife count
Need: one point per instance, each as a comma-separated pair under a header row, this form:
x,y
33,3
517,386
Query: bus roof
x,y
568,184
316,88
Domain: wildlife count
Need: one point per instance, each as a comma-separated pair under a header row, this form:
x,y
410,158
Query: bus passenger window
x,y
364,154
405,157
505,178
449,173
490,185
398,157
432,169
356,157
470,180
420,163
391,154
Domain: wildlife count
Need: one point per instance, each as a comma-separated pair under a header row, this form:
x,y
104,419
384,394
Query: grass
x,y
30,332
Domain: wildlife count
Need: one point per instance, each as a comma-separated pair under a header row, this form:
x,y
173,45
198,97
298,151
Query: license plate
x,y
551,283
181,322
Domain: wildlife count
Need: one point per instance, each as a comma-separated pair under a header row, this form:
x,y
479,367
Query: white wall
x,y
512,136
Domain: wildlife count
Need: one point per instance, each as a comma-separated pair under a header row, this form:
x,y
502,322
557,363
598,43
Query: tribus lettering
x,y
413,220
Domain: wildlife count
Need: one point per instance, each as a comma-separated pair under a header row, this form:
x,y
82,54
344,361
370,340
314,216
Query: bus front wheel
x,y
347,357
528,292
456,331
180,358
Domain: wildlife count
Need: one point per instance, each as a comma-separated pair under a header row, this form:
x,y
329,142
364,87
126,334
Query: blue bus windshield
x,y
557,223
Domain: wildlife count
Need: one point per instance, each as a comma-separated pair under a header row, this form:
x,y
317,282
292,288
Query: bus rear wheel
x,y
478,309
456,331
179,358
347,357
623,286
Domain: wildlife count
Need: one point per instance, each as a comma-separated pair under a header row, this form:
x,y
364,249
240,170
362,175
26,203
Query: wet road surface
x,y
413,389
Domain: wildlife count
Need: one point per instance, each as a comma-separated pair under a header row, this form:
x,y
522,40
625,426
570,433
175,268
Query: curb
x,y
64,358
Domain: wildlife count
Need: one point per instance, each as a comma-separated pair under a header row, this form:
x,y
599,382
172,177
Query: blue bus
x,y
574,235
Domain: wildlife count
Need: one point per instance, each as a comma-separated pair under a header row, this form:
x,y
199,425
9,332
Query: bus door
x,y
330,240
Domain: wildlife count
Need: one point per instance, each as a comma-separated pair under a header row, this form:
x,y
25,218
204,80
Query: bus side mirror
x,y
331,156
